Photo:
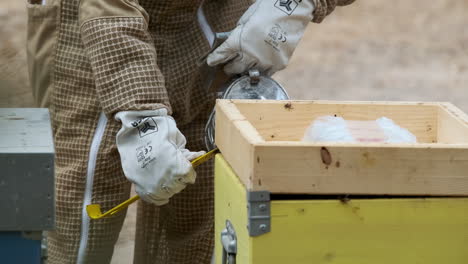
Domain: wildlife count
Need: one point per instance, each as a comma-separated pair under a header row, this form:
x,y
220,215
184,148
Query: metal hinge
x,y
258,206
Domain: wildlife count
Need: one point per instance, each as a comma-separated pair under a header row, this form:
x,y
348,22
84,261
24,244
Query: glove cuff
x,y
132,115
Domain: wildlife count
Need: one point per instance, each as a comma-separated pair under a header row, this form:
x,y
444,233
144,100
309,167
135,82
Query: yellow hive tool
x,y
94,210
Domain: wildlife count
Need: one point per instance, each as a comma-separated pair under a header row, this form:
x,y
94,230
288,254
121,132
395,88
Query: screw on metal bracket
x,y
258,206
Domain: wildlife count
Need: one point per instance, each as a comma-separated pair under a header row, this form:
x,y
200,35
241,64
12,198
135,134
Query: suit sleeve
x,y
325,7
122,56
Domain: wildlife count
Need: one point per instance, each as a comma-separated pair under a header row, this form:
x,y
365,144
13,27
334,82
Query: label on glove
x,y
145,155
276,36
145,126
287,6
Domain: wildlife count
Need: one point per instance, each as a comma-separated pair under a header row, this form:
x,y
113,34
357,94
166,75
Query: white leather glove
x,y
265,37
153,154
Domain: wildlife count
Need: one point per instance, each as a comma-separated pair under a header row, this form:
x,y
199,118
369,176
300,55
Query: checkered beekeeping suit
x,y
92,59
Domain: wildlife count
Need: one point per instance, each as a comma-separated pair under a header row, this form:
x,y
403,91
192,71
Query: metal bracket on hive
x,y
259,212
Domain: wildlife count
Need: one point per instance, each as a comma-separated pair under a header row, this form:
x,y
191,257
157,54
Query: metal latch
x,y
229,241
259,211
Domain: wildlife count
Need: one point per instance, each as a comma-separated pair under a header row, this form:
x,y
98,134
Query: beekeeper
x,y
122,83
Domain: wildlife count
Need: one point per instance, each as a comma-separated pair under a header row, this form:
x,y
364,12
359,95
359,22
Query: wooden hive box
x,y
260,218
261,140
312,229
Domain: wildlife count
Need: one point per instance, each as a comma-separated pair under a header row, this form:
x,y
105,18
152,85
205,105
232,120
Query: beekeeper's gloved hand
x,y
153,154
265,37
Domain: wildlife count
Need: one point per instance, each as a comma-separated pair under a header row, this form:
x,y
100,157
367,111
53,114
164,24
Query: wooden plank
x,y
355,169
384,231
288,120
236,138
453,125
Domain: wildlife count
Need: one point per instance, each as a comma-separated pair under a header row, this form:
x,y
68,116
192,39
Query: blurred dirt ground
x,y
373,50
14,90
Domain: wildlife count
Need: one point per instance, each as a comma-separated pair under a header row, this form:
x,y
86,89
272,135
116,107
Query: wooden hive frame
x,y
261,140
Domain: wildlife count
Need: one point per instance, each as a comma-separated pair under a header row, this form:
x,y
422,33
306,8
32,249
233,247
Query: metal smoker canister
x,y
253,86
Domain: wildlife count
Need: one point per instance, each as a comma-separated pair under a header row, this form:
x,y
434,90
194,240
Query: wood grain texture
x,y
452,125
422,170
237,138
284,164
287,121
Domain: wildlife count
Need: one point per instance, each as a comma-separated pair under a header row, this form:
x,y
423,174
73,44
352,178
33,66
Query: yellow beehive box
x,y
280,200
261,140
354,231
